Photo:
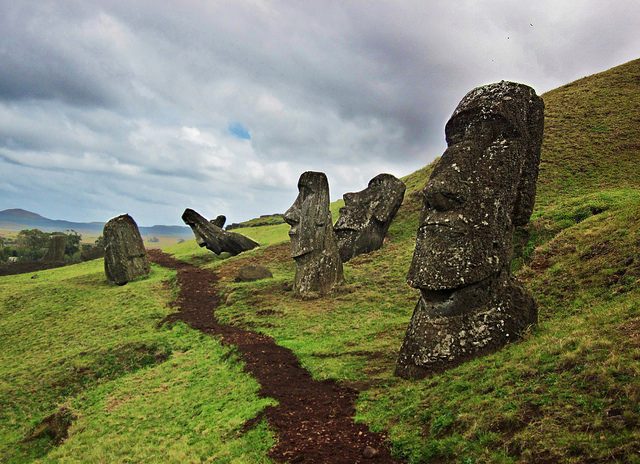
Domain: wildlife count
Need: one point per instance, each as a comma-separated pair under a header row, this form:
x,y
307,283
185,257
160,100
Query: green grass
x,y
591,135
139,389
567,393
268,220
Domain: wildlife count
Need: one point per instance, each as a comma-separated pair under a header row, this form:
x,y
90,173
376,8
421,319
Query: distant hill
x,y
264,220
18,219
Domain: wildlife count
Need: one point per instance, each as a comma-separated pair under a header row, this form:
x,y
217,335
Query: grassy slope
x,y
570,391
140,391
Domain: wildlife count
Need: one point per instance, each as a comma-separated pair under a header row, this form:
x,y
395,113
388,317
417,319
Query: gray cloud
x,y
127,105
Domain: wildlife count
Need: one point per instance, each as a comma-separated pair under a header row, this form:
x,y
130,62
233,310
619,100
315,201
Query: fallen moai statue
x,y
366,216
214,237
125,257
313,242
483,186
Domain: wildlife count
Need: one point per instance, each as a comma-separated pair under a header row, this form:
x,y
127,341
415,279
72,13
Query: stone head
x,y
482,187
379,201
309,216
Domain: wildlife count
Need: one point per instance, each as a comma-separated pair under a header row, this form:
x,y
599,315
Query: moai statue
x,y
124,255
313,242
483,187
366,216
219,221
56,249
209,234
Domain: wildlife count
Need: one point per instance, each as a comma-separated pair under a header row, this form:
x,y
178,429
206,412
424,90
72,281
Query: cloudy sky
x,y
149,107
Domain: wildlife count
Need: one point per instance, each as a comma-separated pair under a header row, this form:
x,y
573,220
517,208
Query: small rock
x,y
251,272
370,452
34,276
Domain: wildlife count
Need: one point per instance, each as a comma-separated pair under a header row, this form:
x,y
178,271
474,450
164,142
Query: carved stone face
x,y
483,185
379,201
366,215
309,215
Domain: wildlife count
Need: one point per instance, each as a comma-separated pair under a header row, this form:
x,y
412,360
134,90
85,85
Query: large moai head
x,y
480,190
125,257
313,243
367,214
309,215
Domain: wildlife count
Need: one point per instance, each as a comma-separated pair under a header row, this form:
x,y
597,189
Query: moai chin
x,y
483,186
125,257
366,216
313,243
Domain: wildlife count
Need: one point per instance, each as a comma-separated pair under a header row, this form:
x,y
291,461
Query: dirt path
x,y
313,420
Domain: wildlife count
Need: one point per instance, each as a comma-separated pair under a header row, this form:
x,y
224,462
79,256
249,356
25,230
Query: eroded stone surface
x,y
251,272
483,186
313,242
125,257
215,238
219,221
366,215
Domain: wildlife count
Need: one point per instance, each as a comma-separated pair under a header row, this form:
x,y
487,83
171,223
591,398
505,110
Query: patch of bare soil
x,y
23,268
313,420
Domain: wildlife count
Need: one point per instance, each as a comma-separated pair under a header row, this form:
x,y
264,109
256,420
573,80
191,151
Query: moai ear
x,y
529,174
383,210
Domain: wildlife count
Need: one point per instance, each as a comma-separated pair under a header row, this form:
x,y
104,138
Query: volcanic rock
x,y
215,238
313,242
480,190
124,255
366,216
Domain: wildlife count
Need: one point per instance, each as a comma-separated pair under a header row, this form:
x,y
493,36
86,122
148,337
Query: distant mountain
x,y
18,219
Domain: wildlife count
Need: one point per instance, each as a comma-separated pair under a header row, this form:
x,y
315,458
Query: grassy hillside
x,y
569,392
139,391
591,139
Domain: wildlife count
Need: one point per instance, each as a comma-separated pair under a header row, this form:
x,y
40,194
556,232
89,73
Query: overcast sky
x,y
150,107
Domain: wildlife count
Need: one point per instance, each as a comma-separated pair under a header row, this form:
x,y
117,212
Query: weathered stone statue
x,y
366,215
219,221
215,238
124,255
55,251
313,242
483,186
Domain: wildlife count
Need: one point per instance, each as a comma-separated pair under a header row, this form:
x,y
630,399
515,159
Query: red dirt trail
x,y
313,420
